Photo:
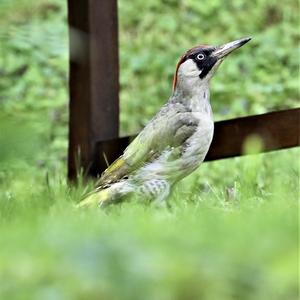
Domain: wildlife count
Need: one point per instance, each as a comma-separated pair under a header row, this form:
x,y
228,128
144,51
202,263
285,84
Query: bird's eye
x,y
200,56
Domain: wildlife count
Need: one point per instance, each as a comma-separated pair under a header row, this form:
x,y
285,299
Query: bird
x,y
175,141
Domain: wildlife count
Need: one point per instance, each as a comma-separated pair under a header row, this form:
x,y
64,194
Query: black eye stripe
x,y
206,66
205,52
208,52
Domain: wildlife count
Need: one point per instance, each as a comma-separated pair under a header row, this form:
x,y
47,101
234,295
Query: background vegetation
x,y
232,230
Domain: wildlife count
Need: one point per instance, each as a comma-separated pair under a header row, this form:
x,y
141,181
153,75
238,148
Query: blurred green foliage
x,y
232,230
263,76
210,245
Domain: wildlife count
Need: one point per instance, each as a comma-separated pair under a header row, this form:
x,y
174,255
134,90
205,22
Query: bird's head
x,y
197,66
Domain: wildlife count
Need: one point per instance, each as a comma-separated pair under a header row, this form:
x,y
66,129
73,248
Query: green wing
x,y
170,128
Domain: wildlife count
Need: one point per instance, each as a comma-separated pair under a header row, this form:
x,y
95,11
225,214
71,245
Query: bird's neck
x,y
195,98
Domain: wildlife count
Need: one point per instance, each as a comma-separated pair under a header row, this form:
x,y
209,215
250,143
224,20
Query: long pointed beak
x,y
225,49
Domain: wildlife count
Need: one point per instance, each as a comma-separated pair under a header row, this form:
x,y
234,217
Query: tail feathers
x,y
112,194
95,199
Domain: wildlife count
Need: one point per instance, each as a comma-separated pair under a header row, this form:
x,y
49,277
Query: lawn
x,y
232,228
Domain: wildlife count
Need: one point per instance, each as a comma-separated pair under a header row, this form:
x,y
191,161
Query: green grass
x,y
210,244
137,252
231,231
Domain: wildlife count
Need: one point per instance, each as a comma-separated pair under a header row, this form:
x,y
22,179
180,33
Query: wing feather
x,y
169,128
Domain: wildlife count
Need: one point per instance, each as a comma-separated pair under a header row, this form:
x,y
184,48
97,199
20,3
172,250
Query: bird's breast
x,y
198,144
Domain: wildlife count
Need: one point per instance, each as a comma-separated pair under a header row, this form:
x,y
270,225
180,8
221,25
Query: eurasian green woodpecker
x,y
175,142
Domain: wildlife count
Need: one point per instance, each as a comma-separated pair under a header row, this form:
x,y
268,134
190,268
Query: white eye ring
x,y
200,56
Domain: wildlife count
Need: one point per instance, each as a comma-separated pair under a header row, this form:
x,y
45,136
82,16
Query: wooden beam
x,y
94,80
277,130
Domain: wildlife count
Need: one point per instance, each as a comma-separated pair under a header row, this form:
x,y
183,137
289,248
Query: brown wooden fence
x,y
94,98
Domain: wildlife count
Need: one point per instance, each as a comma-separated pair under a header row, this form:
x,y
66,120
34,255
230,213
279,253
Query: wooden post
x,y
94,81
